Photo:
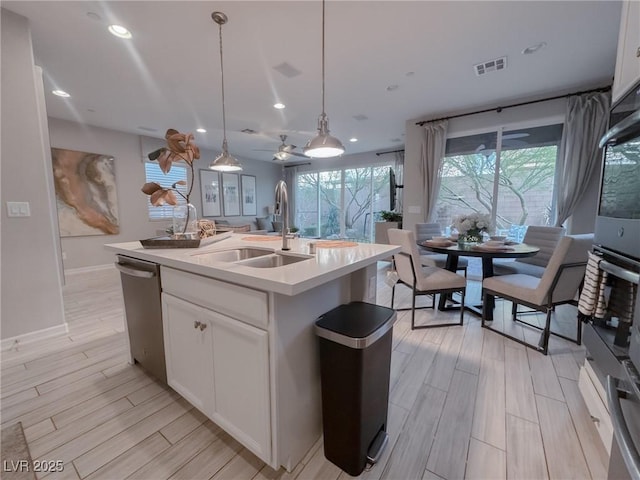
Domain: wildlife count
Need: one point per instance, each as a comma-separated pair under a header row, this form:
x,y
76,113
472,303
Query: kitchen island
x,y
239,342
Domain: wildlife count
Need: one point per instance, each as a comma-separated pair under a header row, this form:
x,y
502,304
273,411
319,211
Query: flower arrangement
x,y
470,227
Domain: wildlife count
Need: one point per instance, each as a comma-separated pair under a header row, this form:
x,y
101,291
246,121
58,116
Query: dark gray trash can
x,y
355,360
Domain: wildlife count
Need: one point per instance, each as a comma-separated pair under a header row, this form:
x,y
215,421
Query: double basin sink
x,y
256,257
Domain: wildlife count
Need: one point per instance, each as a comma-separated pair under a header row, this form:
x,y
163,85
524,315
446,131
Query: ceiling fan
x,y
285,152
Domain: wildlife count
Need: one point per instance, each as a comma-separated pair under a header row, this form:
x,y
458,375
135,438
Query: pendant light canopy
x,y
224,162
323,145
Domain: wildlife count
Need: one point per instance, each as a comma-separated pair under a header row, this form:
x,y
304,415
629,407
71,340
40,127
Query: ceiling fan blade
x,y
299,154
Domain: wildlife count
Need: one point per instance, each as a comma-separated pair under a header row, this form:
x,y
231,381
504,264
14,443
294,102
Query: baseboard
x,y
92,268
9,343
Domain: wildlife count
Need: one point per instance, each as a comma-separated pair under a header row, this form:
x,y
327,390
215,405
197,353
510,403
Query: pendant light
x,y
323,145
223,162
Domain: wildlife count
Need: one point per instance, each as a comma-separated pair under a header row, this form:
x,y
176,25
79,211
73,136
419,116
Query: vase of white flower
x,y
471,227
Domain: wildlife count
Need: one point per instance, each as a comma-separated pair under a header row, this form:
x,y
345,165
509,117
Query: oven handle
x,y
629,452
620,272
621,132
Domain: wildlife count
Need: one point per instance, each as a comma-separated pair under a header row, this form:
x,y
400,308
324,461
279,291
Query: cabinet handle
x,y
595,420
196,324
203,326
638,52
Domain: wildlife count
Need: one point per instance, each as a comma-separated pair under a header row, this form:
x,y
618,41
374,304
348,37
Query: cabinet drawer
x,y
238,302
597,408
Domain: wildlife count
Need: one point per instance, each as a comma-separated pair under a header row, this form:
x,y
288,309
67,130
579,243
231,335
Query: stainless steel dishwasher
x,y
143,308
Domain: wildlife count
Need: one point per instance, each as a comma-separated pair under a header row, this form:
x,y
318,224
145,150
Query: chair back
x,y
426,231
407,241
546,239
570,250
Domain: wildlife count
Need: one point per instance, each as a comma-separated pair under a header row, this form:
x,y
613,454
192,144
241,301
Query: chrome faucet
x,y
282,208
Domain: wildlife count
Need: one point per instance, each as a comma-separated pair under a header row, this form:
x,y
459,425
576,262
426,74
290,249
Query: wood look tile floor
x,y
464,403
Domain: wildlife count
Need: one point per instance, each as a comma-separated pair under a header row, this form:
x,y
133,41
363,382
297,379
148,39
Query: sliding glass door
x,y
507,174
341,203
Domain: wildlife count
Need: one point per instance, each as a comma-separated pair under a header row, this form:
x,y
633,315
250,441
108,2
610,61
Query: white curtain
x,y
434,142
399,171
289,176
579,155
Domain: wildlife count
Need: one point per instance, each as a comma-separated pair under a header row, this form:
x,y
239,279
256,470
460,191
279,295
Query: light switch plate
x,y
18,209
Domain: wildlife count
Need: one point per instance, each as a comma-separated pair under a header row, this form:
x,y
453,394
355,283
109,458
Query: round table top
x,y
518,250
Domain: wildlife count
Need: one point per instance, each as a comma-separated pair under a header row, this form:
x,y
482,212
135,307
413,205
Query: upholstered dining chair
x,y
546,239
422,280
426,231
558,285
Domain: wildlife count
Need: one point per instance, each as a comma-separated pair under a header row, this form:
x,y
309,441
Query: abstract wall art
x,y
86,196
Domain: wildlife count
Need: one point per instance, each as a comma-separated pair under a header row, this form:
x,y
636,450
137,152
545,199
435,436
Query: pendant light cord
x,y
224,117
323,112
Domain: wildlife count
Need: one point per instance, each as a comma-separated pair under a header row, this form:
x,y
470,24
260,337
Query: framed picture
x,y
249,200
210,190
231,194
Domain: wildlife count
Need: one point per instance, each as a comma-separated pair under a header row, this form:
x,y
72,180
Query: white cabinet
x,y
241,373
189,352
628,58
595,398
218,363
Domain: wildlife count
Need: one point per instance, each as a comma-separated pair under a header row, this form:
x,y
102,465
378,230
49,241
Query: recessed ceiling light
x,y
119,31
61,93
534,48
201,130
353,139
94,16
279,106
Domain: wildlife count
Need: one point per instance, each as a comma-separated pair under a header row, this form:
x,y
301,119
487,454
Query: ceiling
x,y
386,62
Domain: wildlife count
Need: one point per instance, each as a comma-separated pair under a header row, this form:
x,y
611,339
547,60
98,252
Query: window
x,y
154,174
513,183
341,203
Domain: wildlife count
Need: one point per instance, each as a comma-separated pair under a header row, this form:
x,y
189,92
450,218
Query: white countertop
x,y
328,263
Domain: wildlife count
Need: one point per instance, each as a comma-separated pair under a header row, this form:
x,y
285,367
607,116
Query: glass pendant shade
x,y
323,145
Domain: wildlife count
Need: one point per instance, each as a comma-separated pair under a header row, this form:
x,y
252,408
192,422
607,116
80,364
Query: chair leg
x,y
393,293
413,309
514,311
579,331
544,337
462,308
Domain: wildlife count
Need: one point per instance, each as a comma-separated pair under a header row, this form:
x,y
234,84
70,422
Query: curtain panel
x,y
432,149
289,176
579,155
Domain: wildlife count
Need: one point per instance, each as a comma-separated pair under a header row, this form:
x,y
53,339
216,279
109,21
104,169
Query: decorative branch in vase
x,y
180,147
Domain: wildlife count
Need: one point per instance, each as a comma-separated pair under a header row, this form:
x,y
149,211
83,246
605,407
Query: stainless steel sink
x,y
236,254
274,260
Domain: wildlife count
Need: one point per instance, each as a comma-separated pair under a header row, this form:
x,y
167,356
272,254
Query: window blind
x,y
154,174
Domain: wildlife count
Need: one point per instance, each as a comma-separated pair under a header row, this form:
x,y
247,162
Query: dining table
x,y
487,253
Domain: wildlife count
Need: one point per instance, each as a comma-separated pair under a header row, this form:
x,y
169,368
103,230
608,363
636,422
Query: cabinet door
x,y
188,351
628,58
241,372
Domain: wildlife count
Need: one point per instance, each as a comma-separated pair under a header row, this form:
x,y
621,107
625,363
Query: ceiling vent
x,y
490,66
287,70
249,131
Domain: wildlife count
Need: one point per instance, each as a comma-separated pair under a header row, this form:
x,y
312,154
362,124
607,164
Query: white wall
x,y
128,151
537,114
31,280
